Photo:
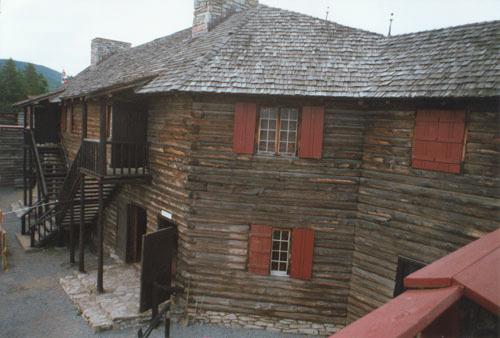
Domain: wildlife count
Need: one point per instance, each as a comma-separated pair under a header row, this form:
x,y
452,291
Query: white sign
x,y
166,214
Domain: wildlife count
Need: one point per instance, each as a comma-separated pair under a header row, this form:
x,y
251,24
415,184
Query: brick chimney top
x,y
101,49
209,13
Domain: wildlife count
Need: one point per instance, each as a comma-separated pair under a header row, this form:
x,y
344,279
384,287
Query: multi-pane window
x,y
278,131
280,252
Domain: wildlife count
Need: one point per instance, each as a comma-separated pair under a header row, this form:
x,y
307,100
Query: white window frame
x,y
279,133
279,272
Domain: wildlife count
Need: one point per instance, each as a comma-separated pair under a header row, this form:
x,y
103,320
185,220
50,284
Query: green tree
x,y
11,86
34,83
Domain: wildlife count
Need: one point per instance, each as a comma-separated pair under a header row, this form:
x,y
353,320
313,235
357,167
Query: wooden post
x,y
72,240
25,170
84,119
81,239
81,235
100,222
100,239
102,138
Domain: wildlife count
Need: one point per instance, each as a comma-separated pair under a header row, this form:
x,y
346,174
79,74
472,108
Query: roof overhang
x,y
52,97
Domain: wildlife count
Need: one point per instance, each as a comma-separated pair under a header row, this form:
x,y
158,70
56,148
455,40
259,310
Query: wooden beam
x,y
84,119
81,240
100,240
102,137
25,170
72,234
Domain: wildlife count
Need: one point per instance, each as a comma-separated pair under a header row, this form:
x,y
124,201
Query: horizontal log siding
x,y
72,140
418,214
11,156
230,192
169,135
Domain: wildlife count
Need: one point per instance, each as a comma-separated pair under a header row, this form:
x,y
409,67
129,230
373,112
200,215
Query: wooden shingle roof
x,y
270,51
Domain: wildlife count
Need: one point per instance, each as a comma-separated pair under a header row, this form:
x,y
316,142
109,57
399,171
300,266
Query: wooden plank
x,y
405,316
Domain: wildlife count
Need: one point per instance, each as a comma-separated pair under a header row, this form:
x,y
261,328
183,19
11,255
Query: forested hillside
x,y
17,85
53,77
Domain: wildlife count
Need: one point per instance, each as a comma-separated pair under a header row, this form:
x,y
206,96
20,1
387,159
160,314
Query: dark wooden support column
x,y
81,235
72,235
102,137
25,169
81,239
100,223
100,248
84,119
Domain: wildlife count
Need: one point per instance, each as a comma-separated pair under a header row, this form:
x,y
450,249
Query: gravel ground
x,y
33,304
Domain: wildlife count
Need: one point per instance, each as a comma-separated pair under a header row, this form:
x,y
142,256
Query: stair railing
x,y
40,206
70,187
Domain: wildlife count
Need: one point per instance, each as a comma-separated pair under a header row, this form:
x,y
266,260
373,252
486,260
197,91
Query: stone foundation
x,y
265,323
118,307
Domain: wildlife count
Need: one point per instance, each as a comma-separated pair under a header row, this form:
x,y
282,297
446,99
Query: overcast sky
x,y
57,33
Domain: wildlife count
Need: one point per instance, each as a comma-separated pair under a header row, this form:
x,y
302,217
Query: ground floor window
x,y
280,254
406,267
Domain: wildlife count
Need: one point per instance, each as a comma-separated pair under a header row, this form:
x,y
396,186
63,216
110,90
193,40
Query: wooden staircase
x,y
63,195
54,167
91,203
58,210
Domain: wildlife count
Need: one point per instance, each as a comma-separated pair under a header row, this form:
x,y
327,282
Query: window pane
x,y
276,245
280,251
288,131
267,130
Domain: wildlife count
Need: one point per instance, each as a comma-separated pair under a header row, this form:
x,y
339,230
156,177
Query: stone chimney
x,y
208,13
101,49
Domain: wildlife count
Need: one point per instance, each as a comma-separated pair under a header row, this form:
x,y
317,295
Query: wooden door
x,y
156,265
137,224
121,231
129,123
164,223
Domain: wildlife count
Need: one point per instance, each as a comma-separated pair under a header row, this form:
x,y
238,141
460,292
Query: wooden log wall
x,y
11,155
169,133
72,136
365,202
230,192
418,214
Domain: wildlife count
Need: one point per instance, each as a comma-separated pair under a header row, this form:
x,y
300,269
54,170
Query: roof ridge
x,y
323,20
204,60
467,25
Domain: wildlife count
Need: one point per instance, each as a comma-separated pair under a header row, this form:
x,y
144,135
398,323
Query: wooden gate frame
x,y
3,244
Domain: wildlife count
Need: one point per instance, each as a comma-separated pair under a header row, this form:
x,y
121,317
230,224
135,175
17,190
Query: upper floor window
x,y
278,131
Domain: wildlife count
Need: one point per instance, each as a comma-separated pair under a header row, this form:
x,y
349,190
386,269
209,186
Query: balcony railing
x,y
116,158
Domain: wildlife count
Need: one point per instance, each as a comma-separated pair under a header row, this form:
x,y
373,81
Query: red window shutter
x,y
439,140
302,254
245,119
311,132
259,249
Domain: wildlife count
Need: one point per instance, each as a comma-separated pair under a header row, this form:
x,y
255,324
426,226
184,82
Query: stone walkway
x,y
118,307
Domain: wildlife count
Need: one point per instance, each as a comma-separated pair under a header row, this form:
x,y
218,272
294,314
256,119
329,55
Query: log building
x,y
308,167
